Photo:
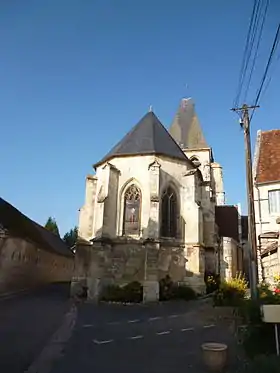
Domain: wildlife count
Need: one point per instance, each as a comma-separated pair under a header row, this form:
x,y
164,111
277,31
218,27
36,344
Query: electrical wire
x,y
245,57
256,49
271,55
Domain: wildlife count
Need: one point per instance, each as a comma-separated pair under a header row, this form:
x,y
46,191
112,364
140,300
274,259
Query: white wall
x,y
265,221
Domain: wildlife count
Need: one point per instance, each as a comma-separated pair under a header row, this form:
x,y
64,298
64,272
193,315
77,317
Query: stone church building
x,y
149,209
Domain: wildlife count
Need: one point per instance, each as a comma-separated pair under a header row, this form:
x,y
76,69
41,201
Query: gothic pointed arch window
x,y
132,209
169,211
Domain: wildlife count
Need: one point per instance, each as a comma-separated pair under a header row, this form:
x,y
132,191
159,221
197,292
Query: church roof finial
x,y
150,108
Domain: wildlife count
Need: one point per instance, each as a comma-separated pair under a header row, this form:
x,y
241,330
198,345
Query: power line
x,y
272,52
242,69
252,41
269,80
257,49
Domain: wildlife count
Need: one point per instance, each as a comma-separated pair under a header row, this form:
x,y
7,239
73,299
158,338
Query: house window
x,y
132,205
169,210
274,201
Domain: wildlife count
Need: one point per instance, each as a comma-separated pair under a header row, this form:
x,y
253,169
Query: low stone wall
x,y
23,265
271,266
99,264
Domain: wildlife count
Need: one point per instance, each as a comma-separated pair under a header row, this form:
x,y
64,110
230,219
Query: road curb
x,y
53,350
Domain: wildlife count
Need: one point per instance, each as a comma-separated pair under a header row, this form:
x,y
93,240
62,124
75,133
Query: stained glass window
x,y
169,213
132,204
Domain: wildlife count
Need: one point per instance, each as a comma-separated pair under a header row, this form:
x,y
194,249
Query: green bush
x,y
130,293
212,282
258,337
165,288
263,364
231,292
133,292
183,292
168,290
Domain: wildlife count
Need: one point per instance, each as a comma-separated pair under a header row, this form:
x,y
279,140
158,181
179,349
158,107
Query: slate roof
x,y
268,164
149,136
226,218
21,226
186,129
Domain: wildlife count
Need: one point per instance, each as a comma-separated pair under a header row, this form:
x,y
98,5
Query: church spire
x,y
185,128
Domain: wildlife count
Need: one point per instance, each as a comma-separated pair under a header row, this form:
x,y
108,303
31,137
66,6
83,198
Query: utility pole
x,y
245,124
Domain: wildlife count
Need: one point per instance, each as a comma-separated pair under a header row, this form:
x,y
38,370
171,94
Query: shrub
x,y
183,292
263,364
165,288
168,290
231,292
130,293
212,282
111,293
133,292
258,337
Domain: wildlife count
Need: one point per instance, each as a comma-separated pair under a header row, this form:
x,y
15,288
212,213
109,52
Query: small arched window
x,y
169,211
132,205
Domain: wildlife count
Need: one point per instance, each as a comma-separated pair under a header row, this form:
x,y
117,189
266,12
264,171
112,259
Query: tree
x,y
70,237
51,226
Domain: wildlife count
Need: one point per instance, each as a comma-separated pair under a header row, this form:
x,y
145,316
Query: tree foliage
x,y
51,225
70,237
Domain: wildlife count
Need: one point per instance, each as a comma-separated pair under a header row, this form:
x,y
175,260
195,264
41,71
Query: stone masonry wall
x,y
271,266
121,263
23,265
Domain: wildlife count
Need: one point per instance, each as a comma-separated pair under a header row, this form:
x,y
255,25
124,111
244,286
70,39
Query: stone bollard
x,y
215,356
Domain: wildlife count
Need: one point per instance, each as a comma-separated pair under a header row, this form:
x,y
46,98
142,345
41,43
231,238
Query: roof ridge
x,y
32,229
171,137
148,136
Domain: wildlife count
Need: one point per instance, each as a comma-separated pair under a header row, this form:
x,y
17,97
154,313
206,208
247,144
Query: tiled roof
x,y
226,218
21,226
149,136
186,129
268,165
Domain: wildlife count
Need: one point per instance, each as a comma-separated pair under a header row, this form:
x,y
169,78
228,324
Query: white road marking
x,y
154,318
173,316
209,326
133,321
162,333
136,337
102,342
187,329
88,326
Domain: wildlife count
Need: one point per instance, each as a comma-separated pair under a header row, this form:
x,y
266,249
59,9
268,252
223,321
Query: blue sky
x,y
77,75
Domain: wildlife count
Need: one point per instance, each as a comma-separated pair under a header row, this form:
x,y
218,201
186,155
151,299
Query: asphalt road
x,y
140,339
27,322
